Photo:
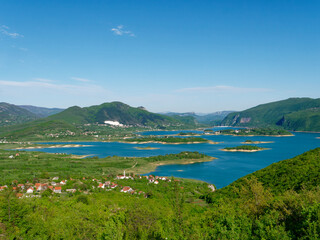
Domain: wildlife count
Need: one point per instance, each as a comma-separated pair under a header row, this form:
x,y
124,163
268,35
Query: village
x,y
56,185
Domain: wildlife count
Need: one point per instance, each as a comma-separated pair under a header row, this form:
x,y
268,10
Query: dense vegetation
x,y
297,114
256,132
281,201
167,139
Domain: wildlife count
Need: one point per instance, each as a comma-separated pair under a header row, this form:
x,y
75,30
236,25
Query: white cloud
x,y
119,30
222,89
80,79
5,30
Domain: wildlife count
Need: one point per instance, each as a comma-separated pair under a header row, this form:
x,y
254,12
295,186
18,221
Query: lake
x,y
228,167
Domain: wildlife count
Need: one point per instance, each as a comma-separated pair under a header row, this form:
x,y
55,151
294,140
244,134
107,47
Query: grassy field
x,y
29,165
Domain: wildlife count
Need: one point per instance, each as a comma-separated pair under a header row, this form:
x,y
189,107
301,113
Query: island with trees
x,y
244,148
273,132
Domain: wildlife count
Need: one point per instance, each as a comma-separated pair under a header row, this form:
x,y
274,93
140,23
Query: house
x,y
17,154
3,187
71,190
156,182
53,183
57,190
41,187
126,189
21,186
11,156
101,185
50,187
63,182
114,185
19,195
107,183
121,177
30,190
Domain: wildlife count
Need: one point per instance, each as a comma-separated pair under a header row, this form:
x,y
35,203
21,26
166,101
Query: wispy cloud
x,y
80,79
43,80
120,31
222,89
47,84
5,30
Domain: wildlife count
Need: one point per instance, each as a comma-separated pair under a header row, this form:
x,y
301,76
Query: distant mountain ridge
x,y
41,111
205,118
11,114
296,114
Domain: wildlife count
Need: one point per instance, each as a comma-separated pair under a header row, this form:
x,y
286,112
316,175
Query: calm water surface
x,y
228,166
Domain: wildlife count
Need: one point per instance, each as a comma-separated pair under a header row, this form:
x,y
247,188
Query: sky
x,y
182,56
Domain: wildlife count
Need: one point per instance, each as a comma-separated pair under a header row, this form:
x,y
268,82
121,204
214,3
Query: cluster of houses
x,y
28,189
57,186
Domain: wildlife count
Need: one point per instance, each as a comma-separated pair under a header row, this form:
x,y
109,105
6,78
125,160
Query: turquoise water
x,y
227,168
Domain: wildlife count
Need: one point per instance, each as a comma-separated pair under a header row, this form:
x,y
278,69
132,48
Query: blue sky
x,y
201,56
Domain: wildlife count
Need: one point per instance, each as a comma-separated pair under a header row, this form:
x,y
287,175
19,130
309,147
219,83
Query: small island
x,y
272,132
168,140
146,148
243,148
188,134
255,142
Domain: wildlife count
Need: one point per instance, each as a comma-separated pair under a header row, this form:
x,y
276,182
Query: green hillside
x,y
114,111
299,173
11,114
297,114
88,122
281,201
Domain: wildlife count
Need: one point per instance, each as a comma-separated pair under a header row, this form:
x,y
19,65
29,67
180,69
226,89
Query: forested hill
x,y
296,114
11,114
85,123
114,111
298,173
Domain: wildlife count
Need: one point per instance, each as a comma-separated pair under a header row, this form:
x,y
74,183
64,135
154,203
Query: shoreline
x,y
151,167
54,146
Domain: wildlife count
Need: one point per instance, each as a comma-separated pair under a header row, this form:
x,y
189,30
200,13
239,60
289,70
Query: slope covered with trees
x,y
81,123
281,201
297,114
